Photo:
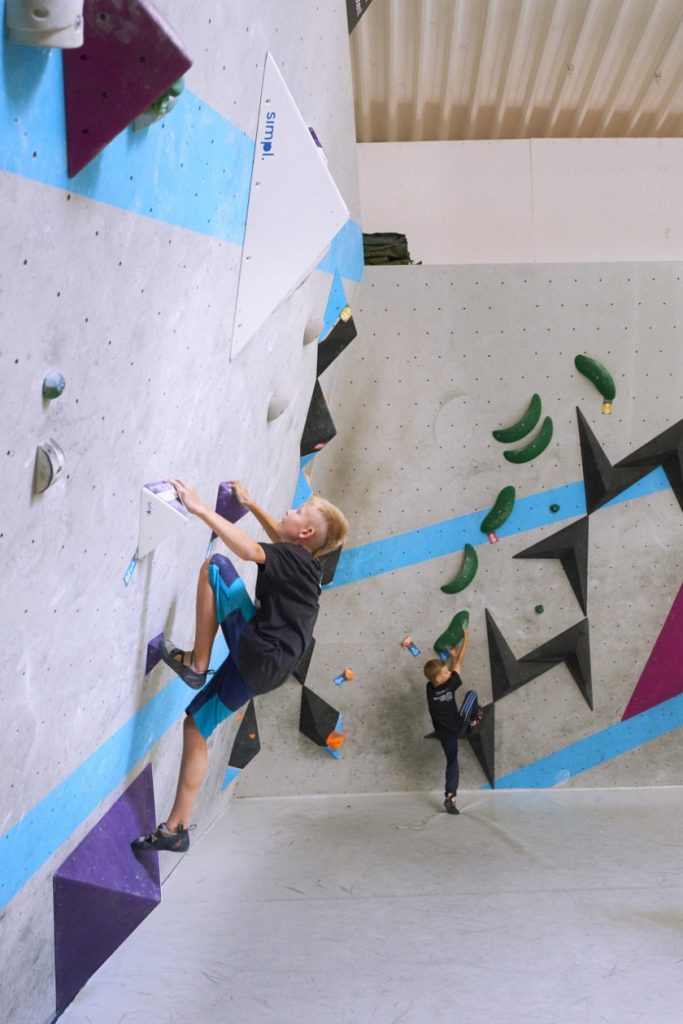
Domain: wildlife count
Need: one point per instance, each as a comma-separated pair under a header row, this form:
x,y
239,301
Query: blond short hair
x,y
336,525
432,668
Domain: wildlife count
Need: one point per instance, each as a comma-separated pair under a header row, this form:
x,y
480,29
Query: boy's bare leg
x,y
206,622
192,772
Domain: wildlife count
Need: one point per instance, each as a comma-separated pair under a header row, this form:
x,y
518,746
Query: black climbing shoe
x,y
449,804
176,842
181,663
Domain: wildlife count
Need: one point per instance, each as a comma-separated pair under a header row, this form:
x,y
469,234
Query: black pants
x,y
468,710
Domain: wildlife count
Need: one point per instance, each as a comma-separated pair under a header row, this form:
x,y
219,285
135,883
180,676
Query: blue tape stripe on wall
x,y
40,833
303,491
346,253
335,304
449,536
595,750
193,169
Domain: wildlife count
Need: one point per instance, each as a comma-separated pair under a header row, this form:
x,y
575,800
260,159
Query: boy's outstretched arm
x,y
267,522
234,537
458,653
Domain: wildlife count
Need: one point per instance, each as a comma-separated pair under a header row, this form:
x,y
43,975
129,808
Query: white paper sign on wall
x,y
161,514
295,210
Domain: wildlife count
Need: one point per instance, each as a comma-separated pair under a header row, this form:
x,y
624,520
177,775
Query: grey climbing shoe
x,y
161,839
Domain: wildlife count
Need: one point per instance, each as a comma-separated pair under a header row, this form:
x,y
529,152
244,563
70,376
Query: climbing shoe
x,y
181,663
449,804
162,839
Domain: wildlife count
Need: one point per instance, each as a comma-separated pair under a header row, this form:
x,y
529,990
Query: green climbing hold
x,y
535,447
53,384
468,571
600,376
554,508
539,609
524,426
452,636
502,507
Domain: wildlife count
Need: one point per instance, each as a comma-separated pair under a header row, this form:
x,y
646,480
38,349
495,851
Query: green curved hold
x,y
535,447
468,571
524,426
501,510
598,375
452,636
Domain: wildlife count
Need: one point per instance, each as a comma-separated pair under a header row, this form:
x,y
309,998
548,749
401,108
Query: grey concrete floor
x,y
549,907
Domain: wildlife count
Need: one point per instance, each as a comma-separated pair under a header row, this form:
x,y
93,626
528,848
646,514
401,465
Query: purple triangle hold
x,y
103,891
129,58
662,677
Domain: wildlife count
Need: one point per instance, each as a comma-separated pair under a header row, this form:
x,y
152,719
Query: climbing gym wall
x,y
575,611
124,283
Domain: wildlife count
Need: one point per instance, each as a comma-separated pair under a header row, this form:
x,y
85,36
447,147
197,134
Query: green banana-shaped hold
x,y
501,510
537,445
468,571
452,636
600,376
524,426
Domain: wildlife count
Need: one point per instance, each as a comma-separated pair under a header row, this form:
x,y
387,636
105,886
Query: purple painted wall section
x,y
102,891
662,676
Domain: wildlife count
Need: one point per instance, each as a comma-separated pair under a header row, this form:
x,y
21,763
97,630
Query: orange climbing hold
x,y
335,740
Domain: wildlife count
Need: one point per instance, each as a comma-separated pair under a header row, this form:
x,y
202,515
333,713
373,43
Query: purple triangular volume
x,y
102,891
601,480
570,547
572,647
482,740
129,58
318,718
662,677
247,744
227,504
153,653
507,672
665,450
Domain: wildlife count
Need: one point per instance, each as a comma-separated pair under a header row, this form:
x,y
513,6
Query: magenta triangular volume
x,y
161,515
295,210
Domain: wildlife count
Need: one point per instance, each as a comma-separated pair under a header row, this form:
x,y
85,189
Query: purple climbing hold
x,y
102,892
129,58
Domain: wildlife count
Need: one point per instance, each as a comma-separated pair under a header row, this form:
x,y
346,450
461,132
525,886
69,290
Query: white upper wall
x,y
527,201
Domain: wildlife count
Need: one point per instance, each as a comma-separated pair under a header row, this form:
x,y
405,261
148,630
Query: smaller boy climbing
x,y
265,638
450,725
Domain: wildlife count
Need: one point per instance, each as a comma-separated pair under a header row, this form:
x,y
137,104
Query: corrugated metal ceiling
x,y
516,69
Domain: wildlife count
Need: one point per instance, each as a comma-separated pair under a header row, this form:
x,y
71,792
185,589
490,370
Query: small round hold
x,y
539,609
493,538
554,508
53,384
606,408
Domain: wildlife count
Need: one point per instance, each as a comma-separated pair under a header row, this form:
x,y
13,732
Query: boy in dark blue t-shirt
x,y
265,639
450,725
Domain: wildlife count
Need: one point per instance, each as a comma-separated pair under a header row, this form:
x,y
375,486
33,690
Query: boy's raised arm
x,y
234,537
267,522
458,653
